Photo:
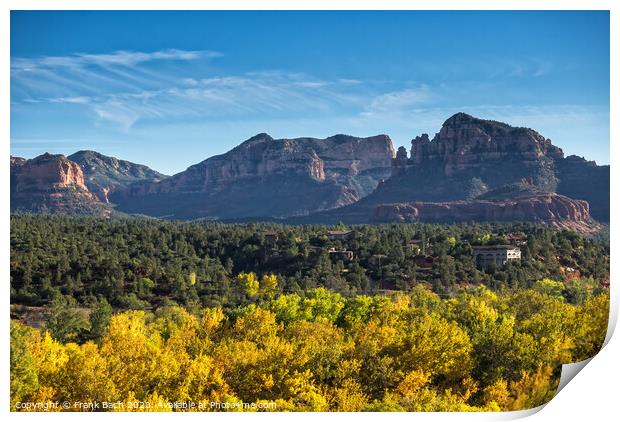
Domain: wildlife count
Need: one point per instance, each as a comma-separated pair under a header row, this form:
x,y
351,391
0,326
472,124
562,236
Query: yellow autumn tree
x,y
269,284
132,353
248,283
320,351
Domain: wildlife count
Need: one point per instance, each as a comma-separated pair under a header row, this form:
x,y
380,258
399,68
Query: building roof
x,y
495,247
339,232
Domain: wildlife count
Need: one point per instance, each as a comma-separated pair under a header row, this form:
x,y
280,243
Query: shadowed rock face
x,y
104,175
547,207
473,169
465,142
467,158
52,183
268,177
582,179
470,157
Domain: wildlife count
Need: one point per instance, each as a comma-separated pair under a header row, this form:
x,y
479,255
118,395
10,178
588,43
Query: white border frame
x,y
593,392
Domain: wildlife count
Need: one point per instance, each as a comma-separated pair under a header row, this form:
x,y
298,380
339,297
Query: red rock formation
x,y
465,142
399,164
467,158
51,183
47,171
262,156
549,207
17,161
269,177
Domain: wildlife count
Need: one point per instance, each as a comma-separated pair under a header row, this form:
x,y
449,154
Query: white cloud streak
x,y
123,87
117,58
398,101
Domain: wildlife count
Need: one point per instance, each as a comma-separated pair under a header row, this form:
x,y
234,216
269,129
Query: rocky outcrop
x,y
51,183
269,177
582,179
468,148
465,142
547,207
472,169
46,171
104,175
16,162
472,160
400,162
467,157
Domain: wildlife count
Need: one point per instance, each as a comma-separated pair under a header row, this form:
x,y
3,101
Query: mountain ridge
x,y
471,164
104,174
261,172
469,157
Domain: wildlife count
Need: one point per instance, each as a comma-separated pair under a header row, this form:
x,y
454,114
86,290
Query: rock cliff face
x,y
547,207
465,142
16,162
472,169
268,177
582,179
472,160
470,156
51,183
46,171
104,175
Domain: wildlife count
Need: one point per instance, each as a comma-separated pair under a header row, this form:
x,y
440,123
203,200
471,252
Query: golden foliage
x,y
480,351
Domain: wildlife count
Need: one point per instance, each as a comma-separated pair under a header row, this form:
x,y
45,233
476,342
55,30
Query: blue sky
x,y
169,89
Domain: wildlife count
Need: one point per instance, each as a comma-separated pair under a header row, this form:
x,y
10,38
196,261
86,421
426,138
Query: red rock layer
x,y
549,207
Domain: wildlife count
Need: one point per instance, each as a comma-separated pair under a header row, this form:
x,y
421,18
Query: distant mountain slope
x,y
471,156
472,169
581,179
269,177
52,184
103,174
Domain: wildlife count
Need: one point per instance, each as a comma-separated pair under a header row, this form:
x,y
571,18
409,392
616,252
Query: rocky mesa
x,y
269,177
46,171
54,184
471,170
470,157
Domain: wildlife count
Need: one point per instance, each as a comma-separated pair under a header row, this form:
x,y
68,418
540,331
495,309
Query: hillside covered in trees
x,y
141,314
141,263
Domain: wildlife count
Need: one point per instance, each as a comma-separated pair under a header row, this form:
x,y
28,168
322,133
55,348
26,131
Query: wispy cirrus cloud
x,y
50,78
71,100
121,57
398,101
124,87
226,97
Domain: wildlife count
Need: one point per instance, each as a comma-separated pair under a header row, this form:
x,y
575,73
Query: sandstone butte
x,y
461,174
